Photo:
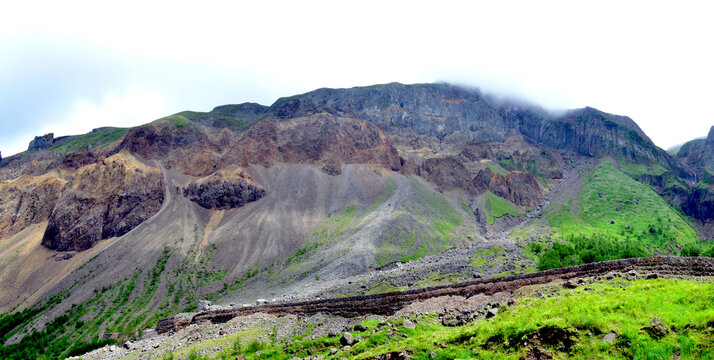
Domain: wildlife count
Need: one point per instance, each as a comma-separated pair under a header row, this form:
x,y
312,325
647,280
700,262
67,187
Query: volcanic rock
x,y
224,191
106,199
317,138
447,173
523,189
27,200
41,142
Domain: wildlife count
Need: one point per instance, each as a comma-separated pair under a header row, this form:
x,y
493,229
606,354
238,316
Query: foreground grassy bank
x,y
619,318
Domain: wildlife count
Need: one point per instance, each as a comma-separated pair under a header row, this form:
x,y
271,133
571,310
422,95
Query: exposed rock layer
x,y
104,200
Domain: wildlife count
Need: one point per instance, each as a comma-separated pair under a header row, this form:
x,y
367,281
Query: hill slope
x,y
329,193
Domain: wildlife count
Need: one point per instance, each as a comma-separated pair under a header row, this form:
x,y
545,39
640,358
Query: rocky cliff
x,y
323,139
104,200
28,200
41,142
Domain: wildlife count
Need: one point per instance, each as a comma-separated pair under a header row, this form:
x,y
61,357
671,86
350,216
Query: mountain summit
x,y
334,192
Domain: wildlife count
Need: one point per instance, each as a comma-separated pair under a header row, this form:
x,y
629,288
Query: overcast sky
x,y
68,67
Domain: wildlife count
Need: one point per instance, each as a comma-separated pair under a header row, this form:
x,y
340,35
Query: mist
x,y
77,66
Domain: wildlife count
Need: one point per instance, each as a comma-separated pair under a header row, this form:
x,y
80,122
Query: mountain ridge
x,y
329,193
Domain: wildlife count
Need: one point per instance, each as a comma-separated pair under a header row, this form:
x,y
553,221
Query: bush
x,y
581,249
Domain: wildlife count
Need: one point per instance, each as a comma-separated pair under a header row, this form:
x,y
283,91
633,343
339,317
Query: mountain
x,y
330,193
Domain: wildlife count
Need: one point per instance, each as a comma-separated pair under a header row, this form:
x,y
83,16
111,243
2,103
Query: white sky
x,y
67,67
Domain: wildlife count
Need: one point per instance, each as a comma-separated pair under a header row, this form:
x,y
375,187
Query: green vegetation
x,y
564,324
176,120
228,122
618,217
608,196
578,322
583,249
491,257
122,309
497,206
426,225
498,170
93,140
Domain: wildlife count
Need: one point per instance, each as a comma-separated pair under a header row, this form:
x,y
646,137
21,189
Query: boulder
x,y
347,339
609,338
407,324
203,305
657,329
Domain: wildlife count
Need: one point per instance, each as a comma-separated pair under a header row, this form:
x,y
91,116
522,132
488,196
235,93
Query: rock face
x,y
521,188
220,192
41,142
698,155
447,173
27,200
319,139
106,199
182,146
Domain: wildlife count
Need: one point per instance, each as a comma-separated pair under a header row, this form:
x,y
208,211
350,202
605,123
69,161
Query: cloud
x,y
644,60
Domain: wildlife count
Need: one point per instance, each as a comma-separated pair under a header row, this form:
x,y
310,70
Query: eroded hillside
x,y
331,193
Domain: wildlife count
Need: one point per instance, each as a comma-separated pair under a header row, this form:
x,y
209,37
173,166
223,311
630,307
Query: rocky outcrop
x,y
76,160
447,173
104,200
41,142
27,200
477,151
181,145
221,192
698,155
700,203
318,139
521,188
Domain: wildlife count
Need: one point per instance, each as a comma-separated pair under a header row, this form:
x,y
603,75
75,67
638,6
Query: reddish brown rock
x,y
482,180
318,138
447,173
477,151
523,189
182,146
499,186
409,167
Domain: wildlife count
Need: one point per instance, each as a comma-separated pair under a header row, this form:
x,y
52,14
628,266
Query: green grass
x,y
618,217
228,122
621,307
566,324
176,120
498,170
491,257
93,140
497,206
609,194
432,227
